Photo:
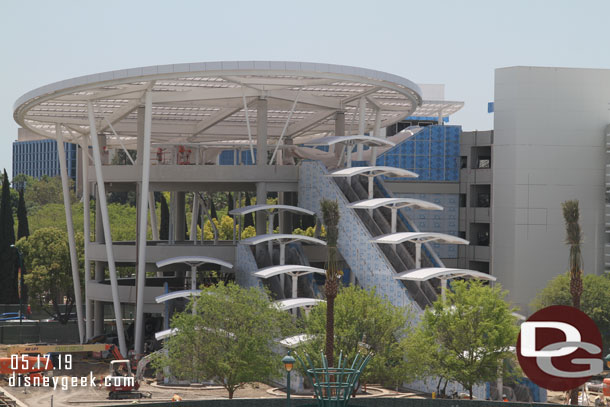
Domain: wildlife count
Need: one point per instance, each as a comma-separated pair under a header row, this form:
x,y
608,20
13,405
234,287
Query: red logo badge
x,y
560,348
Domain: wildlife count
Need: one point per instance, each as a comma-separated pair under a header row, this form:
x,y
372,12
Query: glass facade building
x,y
37,158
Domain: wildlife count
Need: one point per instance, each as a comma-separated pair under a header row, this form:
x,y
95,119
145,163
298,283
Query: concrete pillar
x,y
179,217
261,133
140,138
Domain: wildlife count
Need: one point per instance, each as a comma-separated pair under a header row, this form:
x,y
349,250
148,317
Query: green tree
x,y
595,301
49,281
330,216
230,338
467,337
362,316
23,229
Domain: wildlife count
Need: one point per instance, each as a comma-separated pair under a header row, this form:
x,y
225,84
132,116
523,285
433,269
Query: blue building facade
x,y
37,158
434,154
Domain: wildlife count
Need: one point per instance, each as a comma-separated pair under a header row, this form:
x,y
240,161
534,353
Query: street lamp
x,y
20,260
288,362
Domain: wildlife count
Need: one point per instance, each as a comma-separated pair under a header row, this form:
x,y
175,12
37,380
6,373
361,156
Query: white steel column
x,y
444,288
361,124
145,161
97,160
417,255
87,236
71,242
261,134
376,133
394,213
152,208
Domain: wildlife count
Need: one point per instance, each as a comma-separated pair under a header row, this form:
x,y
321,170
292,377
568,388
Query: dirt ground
x,y
98,396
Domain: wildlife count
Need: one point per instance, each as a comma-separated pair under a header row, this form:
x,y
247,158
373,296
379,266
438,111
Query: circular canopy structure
x,y
282,238
214,101
193,261
291,303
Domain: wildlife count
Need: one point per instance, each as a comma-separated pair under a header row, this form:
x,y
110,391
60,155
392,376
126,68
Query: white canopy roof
x,y
193,260
254,208
358,139
283,238
419,237
287,269
442,273
195,102
395,202
291,303
293,341
373,171
176,294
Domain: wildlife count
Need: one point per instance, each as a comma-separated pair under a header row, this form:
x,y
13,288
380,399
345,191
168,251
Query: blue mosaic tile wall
x,y
364,258
445,221
433,153
245,267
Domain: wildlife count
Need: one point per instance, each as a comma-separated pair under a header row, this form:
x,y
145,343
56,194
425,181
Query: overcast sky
x,y
457,43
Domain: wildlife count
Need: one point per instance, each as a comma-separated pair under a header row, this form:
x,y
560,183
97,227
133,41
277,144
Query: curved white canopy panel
x,y
294,341
520,317
268,272
396,203
254,208
358,139
418,237
374,172
166,333
282,238
292,303
176,294
442,273
193,260
203,102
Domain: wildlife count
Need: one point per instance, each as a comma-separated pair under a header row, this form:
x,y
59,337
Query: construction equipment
x,y
122,383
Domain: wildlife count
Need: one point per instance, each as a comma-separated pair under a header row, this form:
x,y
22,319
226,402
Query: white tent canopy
x,y
294,341
292,303
176,294
282,238
374,171
268,272
442,273
193,261
418,237
254,208
395,203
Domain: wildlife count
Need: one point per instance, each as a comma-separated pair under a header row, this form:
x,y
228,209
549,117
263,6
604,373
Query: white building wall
x,y
549,147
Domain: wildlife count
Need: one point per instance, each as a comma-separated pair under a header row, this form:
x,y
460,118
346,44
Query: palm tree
x,y
330,217
571,215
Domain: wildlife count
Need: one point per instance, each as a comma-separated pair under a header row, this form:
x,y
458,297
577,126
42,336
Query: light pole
x,y
20,260
288,362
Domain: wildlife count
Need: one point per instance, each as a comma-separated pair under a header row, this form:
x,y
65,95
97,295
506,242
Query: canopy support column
x,y
194,218
361,125
144,160
106,226
417,255
444,289
152,208
71,242
87,236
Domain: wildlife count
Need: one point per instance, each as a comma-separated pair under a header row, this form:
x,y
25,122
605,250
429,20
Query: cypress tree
x,y
8,279
229,204
23,229
164,227
248,218
213,213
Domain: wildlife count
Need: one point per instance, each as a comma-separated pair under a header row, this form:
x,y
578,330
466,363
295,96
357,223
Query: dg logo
x,y
560,348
